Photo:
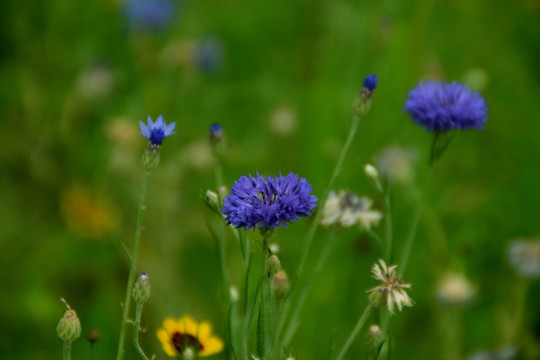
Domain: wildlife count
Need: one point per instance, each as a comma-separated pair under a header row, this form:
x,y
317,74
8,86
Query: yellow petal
x,y
166,343
171,326
211,346
205,330
187,325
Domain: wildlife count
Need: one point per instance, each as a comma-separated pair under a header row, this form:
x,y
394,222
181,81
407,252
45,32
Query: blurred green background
x,y
280,76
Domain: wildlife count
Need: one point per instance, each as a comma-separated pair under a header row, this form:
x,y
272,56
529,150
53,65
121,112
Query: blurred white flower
x,y
455,289
283,121
397,164
392,291
347,209
524,256
96,81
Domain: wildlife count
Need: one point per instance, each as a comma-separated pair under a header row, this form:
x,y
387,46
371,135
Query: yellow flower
x,y
178,336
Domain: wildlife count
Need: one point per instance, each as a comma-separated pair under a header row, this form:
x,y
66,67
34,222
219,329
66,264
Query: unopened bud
x,y
141,289
371,172
273,265
150,157
374,335
92,336
212,200
281,285
362,104
223,191
216,133
189,354
234,294
69,326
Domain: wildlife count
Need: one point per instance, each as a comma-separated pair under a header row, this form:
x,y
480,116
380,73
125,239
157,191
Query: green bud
x,y
212,201
273,265
189,354
362,103
150,157
69,326
281,285
141,289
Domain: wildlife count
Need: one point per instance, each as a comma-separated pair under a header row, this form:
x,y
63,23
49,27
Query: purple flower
x,y
442,106
216,132
156,132
149,14
258,203
370,82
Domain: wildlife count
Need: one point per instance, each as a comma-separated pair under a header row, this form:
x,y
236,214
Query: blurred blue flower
x,y
209,54
156,132
216,132
258,203
149,14
370,82
442,106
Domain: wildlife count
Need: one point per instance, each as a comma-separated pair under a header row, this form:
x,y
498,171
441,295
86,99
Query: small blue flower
x,y
442,106
258,203
216,132
149,14
209,55
370,82
156,132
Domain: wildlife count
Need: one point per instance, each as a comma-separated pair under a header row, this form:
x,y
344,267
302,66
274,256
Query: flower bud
x,y
374,335
216,133
377,298
150,157
281,285
362,104
274,248
92,336
371,172
223,191
141,289
234,294
212,201
273,265
189,353
69,326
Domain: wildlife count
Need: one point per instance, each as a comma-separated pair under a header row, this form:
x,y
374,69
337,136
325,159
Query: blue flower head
x,y
149,14
370,82
156,132
264,204
216,132
442,106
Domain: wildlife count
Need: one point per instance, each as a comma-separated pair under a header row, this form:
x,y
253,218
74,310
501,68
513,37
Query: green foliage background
x,y
310,57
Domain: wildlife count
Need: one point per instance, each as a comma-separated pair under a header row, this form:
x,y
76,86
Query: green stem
x,y
137,330
133,261
354,333
311,232
293,320
67,350
264,326
388,225
414,225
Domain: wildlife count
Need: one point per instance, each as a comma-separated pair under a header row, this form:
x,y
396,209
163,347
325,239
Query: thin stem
x,y
133,261
265,316
137,330
311,232
414,225
67,350
354,333
305,291
388,234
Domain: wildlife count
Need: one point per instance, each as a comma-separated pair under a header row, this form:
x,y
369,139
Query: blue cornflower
x,y
149,14
442,106
263,204
156,132
216,132
370,82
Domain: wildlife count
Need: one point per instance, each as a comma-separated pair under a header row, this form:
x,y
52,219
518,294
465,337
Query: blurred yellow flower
x,y
87,214
187,335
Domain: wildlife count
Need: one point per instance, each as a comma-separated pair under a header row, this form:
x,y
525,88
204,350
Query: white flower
x,y
392,291
455,289
524,256
396,163
347,209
